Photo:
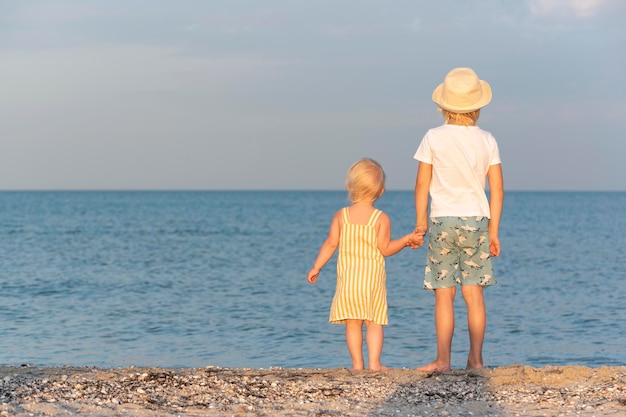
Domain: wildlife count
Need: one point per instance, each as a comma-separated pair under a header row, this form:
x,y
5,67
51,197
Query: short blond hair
x,y
462,119
365,180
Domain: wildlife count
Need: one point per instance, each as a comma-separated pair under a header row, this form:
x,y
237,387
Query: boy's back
x,y
461,157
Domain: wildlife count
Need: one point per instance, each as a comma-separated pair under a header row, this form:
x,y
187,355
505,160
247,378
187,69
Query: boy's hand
x,y
494,245
312,275
420,230
416,240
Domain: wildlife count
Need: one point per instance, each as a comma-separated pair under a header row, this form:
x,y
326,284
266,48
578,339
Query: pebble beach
x,y
515,390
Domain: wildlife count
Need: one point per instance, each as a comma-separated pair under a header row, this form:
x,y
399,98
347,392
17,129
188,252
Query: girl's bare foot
x,y
379,368
433,367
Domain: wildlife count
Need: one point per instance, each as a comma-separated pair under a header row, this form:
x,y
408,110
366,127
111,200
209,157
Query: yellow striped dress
x,y
361,291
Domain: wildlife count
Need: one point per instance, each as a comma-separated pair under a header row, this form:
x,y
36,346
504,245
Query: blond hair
x,y
365,180
462,119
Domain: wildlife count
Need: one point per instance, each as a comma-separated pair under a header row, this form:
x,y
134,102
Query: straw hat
x,y
462,91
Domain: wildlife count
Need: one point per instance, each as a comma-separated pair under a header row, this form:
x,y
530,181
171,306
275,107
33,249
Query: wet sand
x,y
514,390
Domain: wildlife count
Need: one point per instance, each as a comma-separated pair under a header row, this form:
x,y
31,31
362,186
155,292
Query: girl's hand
x,y
312,275
416,240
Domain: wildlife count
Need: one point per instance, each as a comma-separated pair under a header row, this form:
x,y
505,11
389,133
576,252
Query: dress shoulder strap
x,y
374,217
344,215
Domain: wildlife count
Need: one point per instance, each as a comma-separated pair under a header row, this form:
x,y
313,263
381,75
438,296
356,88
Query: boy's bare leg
x,y
476,323
444,327
354,340
375,336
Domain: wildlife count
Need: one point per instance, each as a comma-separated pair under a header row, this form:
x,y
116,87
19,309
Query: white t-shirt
x,y
461,157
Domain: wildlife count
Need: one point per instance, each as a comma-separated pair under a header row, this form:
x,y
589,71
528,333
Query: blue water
x,y
191,279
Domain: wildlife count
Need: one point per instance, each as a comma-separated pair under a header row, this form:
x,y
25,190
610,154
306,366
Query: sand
x,y
514,390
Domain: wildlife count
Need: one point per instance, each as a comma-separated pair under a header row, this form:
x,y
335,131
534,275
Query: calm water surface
x,y
190,279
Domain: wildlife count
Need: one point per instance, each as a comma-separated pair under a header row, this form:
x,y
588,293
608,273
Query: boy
x,y
454,160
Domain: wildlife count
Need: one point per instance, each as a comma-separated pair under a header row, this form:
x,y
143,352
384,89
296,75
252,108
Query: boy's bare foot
x,y
474,365
433,367
379,368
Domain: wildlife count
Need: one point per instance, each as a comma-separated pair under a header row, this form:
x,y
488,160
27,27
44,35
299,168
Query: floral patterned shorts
x,y
458,253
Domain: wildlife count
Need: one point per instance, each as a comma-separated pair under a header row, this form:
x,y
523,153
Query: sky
x,y
287,94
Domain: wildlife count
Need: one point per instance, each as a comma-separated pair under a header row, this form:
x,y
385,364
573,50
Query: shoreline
x,y
514,390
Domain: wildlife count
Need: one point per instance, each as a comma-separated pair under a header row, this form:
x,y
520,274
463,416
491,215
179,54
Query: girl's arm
x,y
422,188
387,246
327,250
496,200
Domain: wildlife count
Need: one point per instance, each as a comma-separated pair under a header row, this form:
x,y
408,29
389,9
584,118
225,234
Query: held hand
x,y
312,275
420,230
416,240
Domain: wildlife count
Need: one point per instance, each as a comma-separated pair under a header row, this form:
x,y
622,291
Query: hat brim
x,y
484,100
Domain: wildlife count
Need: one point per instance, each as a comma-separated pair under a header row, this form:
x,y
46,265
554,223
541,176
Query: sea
x,y
186,279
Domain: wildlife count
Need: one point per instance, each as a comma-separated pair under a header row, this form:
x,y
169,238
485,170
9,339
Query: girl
x,y
363,235
454,161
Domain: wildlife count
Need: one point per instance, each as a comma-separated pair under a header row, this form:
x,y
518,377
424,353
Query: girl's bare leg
x,y
476,323
354,340
444,327
375,336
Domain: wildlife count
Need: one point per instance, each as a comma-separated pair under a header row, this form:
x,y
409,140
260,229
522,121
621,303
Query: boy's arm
x,y
387,246
422,188
327,250
496,200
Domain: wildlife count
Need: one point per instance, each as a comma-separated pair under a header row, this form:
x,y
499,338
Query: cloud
x,y
580,8
191,27
51,14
